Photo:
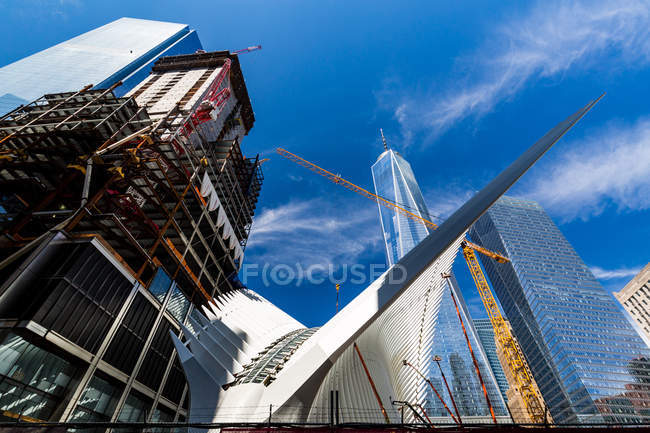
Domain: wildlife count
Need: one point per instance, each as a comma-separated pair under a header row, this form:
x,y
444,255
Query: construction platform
x,y
157,189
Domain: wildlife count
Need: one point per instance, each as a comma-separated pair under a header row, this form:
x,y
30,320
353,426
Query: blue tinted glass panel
x,y
100,57
178,304
160,285
588,361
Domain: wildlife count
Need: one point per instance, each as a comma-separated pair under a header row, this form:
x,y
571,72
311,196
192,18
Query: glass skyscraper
x,y
394,180
442,333
486,335
123,50
588,361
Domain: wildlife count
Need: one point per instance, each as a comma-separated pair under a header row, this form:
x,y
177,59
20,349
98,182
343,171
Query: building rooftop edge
x,y
183,28
633,285
381,155
214,58
148,20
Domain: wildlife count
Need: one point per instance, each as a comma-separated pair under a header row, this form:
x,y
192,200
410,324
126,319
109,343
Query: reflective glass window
x,y
135,408
178,304
160,285
98,401
33,382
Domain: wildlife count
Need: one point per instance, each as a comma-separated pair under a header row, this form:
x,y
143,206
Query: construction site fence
x,y
121,427
397,412
321,420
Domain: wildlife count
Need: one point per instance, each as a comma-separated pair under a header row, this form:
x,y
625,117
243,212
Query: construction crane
x,y
352,187
516,363
247,49
338,287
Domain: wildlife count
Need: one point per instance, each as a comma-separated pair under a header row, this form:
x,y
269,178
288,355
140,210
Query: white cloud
x,y
442,202
41,8
610,169
332,232
315,231
553,38
610,274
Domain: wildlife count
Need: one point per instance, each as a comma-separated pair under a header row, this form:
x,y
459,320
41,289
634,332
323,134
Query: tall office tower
x,y
118,218
394,180
585,356
485,333
441,333
245,360
504,374
123,50
635,298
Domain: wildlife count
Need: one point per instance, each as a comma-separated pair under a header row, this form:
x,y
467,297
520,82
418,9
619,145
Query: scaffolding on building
x,y
152,190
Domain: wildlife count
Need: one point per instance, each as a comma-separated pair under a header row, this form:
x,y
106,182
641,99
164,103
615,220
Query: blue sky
x,y
460,88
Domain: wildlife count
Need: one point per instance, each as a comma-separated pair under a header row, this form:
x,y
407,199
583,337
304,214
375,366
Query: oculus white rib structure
x,y
245,359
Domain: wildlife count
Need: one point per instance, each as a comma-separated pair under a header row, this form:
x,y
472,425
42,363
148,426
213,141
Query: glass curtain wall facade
x,y
485,333
394,180
442,334
448,342
588,361
90,342
123,50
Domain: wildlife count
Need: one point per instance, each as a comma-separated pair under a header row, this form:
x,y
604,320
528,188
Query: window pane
x,y
160,285
34,381
135,409
178,304
97,402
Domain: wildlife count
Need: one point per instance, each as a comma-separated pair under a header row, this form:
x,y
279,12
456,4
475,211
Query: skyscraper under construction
x,y
119,216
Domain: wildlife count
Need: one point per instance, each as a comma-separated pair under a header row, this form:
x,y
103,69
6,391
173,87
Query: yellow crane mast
x,y
504,338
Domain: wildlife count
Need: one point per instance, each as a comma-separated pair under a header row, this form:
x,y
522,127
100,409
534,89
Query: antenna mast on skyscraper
x,y
383,139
